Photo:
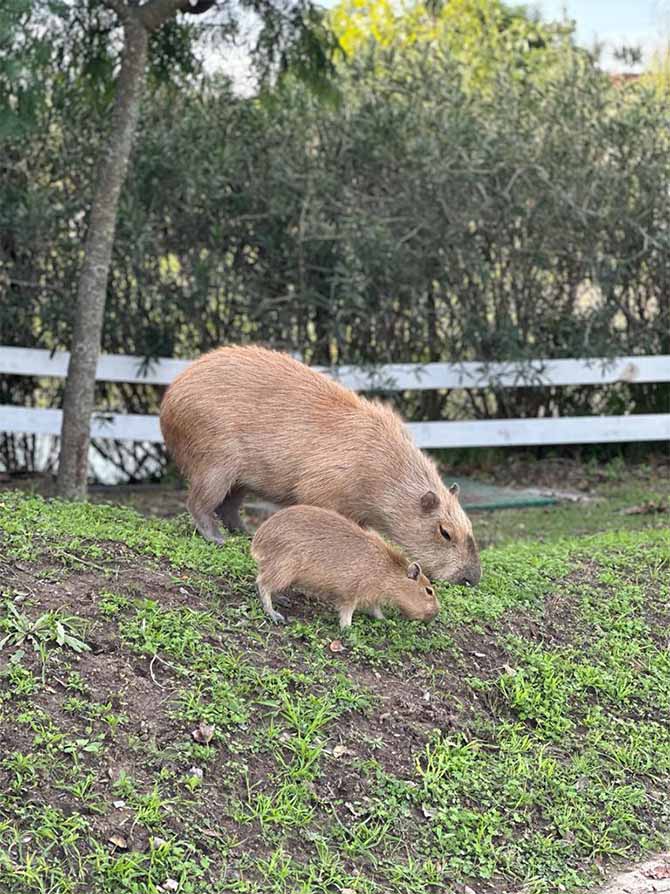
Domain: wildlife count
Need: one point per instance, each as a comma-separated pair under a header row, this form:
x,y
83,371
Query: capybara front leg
x,y
346,613
266,598
229,511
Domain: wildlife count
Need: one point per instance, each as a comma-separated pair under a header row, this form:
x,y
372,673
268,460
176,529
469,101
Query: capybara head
x,y
439,533
415,597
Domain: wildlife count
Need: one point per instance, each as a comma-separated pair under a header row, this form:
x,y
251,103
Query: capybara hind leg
x,y
205,521
229,511
206,493
266,598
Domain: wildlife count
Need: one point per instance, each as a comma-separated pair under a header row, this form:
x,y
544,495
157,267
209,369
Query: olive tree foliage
x,y
58,65
418,219
288,33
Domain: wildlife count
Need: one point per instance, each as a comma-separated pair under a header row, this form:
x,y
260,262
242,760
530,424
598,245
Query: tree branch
x,y
155,13
120,8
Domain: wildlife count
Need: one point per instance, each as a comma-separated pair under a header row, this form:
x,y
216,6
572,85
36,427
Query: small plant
x,y
76,683
22,769
82,787
21,680
49,629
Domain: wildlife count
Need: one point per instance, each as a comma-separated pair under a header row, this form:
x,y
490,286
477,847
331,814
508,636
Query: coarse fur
x,y
318,551
247,419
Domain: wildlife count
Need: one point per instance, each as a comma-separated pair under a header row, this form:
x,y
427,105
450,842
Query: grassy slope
x,y
522,738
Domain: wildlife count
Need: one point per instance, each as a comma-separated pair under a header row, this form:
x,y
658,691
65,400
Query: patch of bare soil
x,y
650,877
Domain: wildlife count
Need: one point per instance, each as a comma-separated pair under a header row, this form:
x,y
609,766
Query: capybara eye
x,y
445,533
430,591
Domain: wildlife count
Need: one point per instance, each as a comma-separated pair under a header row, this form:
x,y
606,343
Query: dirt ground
x,y
650,877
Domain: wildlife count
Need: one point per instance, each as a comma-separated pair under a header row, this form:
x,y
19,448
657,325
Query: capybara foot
x,y
210,530
206,522
266,598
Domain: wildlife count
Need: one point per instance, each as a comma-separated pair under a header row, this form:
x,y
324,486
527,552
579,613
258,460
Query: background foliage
x,y
479,191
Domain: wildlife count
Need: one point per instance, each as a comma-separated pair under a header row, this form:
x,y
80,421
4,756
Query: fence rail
x,y
392,377
395,377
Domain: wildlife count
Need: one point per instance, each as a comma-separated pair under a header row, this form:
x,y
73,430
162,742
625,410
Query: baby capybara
x,y
321,552
246,419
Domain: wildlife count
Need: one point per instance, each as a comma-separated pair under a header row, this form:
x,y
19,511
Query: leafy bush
x,y
414,221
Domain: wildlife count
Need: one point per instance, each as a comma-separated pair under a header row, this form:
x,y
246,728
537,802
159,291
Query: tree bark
x,y
78,403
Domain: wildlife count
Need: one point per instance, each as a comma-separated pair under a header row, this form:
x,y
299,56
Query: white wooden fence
x,y
395,377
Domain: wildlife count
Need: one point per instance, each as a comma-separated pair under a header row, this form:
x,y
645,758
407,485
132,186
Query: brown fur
x,y
321,552
245,419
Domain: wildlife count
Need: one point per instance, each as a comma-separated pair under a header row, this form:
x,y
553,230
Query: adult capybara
x,y
246,419
321,552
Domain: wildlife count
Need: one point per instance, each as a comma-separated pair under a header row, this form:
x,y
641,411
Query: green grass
x,y
156,730
604,509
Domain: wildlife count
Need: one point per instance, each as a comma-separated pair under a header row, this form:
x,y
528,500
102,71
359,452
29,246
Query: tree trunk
x,y
78,403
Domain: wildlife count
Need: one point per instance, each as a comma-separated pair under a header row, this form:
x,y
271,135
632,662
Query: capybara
x,y
247,419
321,552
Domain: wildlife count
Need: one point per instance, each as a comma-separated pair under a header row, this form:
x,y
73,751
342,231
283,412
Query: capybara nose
x,y
471,579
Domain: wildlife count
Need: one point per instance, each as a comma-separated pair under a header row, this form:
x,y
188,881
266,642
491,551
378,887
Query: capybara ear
x,y
430,501
414,571
454,489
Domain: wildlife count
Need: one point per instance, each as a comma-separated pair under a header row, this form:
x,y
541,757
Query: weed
x,y
49,629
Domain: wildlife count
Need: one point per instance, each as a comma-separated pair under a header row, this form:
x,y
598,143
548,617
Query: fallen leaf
x,y
510,671
118,841
170,884
428,812
196,771
347,891
651,507
157,841
340,750
657,872
203,733
336,646
119,804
